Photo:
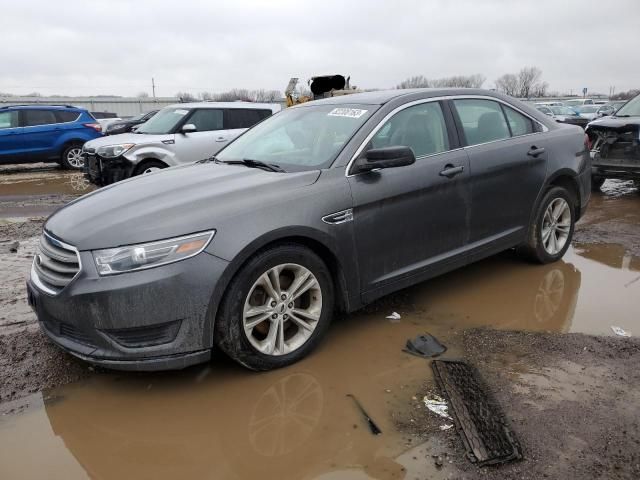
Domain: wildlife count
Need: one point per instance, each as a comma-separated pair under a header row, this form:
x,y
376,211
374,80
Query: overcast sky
x,y
81,47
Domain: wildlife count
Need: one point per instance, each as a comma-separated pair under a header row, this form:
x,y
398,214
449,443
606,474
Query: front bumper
x,y
623,168
101,171
155,319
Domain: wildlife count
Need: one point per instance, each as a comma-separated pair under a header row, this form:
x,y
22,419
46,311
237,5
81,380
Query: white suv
x,y
177,134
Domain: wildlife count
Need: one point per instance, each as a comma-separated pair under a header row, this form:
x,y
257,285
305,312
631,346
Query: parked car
x,y
124,126
328,204
177,134
578,102
609,108
42,133
588,111
105,119
564,114
615,145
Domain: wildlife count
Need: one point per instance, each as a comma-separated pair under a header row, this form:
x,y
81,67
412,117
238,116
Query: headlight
x,y
111,151
148,255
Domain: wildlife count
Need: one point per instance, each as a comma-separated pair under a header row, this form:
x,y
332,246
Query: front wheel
x,y
276,309
552,228
150,167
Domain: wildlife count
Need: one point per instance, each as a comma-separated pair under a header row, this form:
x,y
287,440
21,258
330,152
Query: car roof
x,y
380,97
269,106
42,106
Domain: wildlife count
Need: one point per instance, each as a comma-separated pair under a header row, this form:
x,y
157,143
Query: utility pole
x,y
153,87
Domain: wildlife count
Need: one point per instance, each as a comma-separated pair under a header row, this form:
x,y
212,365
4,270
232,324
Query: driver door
x,y
411,222
203,143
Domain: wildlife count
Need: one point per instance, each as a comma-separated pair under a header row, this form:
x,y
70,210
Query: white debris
x,y
394,316
445,427
619,331
437,405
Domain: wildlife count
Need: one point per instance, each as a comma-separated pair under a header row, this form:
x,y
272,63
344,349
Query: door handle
x,y
535,151
221,139
450,171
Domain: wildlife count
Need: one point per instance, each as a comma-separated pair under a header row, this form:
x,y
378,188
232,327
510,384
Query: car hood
x,y
616,123
169,203
126,138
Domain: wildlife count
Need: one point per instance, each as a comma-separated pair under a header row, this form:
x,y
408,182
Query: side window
x,y
243,118
65,116
520,125
206,119
33,118
421,127
482,120
8,119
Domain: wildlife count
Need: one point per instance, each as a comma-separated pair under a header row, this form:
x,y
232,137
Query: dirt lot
x,y
540,336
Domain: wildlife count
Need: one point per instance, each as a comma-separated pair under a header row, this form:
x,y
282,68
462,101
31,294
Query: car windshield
x,y
631,108
562,111
137,117
164,121
301,138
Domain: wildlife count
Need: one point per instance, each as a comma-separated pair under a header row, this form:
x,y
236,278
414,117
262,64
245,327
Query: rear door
x,y
11,144
507,155
40,132
237,120
201,144
411,222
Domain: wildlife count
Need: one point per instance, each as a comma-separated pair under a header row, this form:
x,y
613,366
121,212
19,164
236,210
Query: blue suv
x,y
40,133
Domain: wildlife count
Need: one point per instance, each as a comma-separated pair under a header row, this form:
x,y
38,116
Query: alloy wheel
x,y
282,309
151,170
74,158
556,226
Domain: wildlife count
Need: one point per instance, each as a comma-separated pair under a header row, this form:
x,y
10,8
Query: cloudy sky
x,y
80,47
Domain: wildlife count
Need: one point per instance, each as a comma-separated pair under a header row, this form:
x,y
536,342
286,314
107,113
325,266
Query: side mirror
x,y
188,128
386,157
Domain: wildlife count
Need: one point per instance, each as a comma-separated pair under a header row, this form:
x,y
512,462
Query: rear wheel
x,y
276,309
149,167
552,229
72,157
596,183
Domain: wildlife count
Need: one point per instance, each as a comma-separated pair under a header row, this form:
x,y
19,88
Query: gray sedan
x,y
327,205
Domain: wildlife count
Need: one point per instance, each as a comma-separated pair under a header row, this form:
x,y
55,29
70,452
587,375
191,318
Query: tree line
x,y
236,94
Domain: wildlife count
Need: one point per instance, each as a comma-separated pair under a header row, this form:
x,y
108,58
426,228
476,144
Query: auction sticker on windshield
x,y
347,112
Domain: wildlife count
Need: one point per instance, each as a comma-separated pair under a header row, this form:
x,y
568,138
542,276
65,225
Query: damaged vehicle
x,y
326,206
177,134
615,145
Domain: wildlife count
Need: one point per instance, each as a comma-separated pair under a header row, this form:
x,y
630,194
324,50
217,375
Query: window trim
x,y
447,104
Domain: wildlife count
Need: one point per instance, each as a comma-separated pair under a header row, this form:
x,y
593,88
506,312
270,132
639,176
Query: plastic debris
x,y
372,425
437,405
425,346
620,332
446,427
394,316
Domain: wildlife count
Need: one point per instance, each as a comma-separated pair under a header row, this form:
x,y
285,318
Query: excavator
x,y
323,86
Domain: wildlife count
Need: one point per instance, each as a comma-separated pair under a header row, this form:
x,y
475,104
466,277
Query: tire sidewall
x,y
552,194
230,335
139,170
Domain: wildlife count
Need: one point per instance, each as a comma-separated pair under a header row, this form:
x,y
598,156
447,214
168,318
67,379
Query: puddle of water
x,y
19,186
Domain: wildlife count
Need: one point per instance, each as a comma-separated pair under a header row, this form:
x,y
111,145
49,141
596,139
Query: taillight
x,y
96,126
587,142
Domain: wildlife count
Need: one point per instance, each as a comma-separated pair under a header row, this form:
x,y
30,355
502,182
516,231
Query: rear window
x,y
64,116
34,118
482,120
243,117
520,125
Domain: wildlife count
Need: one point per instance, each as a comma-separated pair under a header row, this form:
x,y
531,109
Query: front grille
x,y
55,264
73,333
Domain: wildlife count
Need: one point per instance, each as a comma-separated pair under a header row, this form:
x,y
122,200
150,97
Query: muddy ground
x,y
573,399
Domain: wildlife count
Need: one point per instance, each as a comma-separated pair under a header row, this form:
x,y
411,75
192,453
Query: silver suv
x,y
177,134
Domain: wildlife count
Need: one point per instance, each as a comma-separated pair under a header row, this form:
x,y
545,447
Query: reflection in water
x,y
44,183
612,255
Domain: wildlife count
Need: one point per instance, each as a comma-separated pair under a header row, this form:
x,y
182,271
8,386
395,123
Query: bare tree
x,y
185,97
457,81
266,95
142,95
626,95
419,81
528,81
508,84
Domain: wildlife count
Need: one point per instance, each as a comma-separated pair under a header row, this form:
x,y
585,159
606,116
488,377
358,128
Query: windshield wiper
x,y
249,162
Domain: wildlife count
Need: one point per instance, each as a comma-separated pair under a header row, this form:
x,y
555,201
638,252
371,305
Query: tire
x,y
71,158
149,166
250,345
596,183
542,249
